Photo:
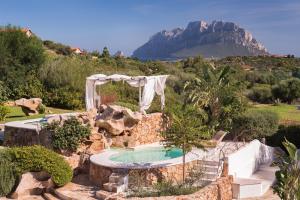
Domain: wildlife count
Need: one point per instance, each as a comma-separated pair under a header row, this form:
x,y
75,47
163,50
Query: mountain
x,y
218,39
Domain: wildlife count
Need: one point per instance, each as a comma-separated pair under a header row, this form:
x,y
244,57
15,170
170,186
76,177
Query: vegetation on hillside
x,y
30,70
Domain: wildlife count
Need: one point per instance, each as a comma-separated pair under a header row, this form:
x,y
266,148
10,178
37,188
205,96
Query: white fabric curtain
x,y
152,85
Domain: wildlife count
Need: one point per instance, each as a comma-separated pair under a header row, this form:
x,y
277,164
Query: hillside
x,y
57,76
218,39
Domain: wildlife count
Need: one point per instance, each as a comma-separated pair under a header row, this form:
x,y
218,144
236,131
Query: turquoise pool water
x,y
145,155
41,122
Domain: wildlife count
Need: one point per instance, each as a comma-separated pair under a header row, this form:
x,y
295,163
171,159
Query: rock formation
x,y
29,106
218,39
117,119
33,183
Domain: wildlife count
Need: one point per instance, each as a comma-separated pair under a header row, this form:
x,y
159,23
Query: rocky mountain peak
x,y
197,26
217,39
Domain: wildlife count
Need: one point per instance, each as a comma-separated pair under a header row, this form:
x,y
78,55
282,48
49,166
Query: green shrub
x,y
41,108
255,124
261,94
7,176
291,133
38,158
69,135
3,112
287,90
64,98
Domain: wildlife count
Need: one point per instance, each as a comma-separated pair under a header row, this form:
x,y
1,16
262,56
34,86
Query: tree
x,y
287,90
96,54
105,53
219,94
20,56
287,185
185,129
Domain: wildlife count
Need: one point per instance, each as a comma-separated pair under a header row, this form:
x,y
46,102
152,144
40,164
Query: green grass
x,y
17,114
287,113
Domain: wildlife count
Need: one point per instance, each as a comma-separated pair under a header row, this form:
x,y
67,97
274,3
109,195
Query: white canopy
x,y
151,84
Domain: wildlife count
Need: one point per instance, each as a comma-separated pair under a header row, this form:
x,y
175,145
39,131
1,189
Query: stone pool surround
x,y
101,167
100,170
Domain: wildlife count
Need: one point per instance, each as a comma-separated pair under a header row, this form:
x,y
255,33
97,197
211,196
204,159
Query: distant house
x,y
27,31
77,50
119,54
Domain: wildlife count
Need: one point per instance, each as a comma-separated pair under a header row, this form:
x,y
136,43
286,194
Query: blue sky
x,y
127,24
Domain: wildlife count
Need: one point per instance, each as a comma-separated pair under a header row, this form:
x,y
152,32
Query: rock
x,y
57,118
33,183
29,106
73,160
79,189
117,119
88,118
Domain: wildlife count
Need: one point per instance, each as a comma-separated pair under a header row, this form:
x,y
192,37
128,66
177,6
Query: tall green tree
x,y
184,128
105,53
20,57
217,93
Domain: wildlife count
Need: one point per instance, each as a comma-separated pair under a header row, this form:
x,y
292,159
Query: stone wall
x,y
14,136
219,190
145,132
20,137
100,174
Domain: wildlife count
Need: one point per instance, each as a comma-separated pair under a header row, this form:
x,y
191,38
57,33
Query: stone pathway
x,y
269,195
79,189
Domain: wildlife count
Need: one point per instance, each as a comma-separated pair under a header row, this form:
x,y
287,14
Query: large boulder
x,y
117,119
29,106
33,183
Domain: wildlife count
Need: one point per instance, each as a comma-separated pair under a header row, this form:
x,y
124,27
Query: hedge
x,y
38,158
255,124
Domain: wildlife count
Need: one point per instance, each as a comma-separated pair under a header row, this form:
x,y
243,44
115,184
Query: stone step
x,y
210,169
210,176
118,178
105,195
209,163
114,187
49,196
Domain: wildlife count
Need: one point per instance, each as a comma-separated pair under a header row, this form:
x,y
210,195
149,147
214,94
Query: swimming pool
x,y
146,155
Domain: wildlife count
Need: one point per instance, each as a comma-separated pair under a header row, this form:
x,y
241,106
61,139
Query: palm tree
x,y
216,93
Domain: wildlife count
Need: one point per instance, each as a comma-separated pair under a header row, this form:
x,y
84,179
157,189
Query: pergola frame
x,y
150,84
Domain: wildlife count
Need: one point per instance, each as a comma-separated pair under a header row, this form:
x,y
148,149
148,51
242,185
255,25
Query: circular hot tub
x,y
152,159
